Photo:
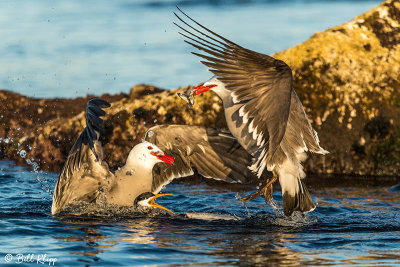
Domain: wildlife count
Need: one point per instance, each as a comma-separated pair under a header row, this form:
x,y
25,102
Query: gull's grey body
x,y
261,108
86,178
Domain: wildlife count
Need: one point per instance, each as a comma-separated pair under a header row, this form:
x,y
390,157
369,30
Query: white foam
x,y
210,216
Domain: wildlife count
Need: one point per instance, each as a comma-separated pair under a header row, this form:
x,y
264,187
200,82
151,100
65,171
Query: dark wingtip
x,y
93,121
99,102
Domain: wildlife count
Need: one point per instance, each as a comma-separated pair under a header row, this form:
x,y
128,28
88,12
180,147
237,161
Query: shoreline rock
x,y
348,78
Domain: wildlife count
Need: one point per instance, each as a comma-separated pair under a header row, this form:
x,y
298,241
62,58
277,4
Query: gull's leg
x,y
266,190
270,189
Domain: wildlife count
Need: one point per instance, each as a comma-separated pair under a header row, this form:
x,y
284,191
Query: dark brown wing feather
x,y
212,153
263,82
83,172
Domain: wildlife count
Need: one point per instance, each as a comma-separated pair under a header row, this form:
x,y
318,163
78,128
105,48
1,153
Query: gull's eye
x,y
149,147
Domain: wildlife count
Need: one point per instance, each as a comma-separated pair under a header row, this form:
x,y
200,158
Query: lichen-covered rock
x,y
348,78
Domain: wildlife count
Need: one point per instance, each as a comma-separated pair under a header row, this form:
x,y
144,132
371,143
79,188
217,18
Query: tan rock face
x,y
348,78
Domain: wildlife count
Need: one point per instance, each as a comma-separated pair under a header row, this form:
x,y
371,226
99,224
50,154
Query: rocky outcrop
x,y
23,119
47,129
348,78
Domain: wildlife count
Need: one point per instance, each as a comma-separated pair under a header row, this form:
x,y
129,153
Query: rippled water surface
x,y
356,222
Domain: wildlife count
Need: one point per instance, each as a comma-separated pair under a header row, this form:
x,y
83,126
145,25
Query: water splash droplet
x,y
22,153
275,207
244,204
150,133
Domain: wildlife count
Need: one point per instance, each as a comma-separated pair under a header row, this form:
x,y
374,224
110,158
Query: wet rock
x,y
347,78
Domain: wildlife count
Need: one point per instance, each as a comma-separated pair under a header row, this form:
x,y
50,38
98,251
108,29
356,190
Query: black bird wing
x,y
212,153
84,173
261,83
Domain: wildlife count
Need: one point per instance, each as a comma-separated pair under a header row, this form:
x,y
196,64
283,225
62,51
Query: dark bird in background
x,y
261,108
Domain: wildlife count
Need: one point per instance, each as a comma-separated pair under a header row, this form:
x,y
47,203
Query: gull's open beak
x,y
152,202
164,157
201,89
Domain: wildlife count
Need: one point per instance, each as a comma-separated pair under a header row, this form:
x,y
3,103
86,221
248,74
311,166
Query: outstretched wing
x,y
212,153
258,82
84,173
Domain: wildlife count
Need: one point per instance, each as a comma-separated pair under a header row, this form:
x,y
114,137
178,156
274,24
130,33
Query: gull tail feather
x,y
294,192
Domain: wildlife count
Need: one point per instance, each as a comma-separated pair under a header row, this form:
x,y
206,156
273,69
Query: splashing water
x,y
275,207
42,180
31,162
238,197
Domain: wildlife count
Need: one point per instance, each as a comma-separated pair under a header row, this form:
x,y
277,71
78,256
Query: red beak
x,y
164,157
201,88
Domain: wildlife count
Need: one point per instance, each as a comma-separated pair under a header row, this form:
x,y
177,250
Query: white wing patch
x,y
244,115
202,148
234,98
260,140
255,134
259,166
321,150
251,129
261,169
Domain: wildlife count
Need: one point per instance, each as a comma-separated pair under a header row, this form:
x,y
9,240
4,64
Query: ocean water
x,y
73,48
70,48
356,222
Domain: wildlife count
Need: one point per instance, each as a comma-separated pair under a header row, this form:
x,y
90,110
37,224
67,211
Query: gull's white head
x,y
147,155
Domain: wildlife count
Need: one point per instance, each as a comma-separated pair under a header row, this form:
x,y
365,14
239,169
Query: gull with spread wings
x,y
261,108
166,153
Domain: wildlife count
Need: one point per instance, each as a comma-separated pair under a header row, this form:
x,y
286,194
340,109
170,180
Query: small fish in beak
x,y
189,98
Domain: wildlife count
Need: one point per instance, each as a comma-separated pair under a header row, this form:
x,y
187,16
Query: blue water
x,y
73,48
70,48
356,222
